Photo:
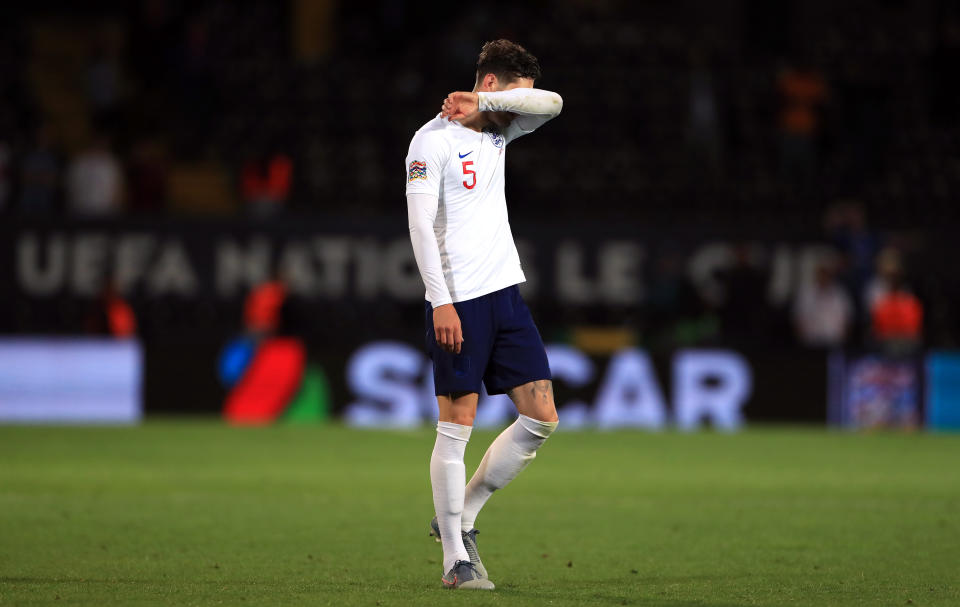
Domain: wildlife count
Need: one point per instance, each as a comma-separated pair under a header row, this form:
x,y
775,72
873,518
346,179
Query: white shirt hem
x,y
482,291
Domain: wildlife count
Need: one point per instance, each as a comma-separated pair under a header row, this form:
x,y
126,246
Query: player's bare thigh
x,y
535,399
459,408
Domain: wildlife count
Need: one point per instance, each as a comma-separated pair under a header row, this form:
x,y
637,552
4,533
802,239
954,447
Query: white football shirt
x,y
456,206
465,170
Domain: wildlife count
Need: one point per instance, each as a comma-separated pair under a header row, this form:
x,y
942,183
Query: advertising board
x,y
70,380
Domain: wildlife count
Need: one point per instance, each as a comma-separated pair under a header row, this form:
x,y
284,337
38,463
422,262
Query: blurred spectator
x,y
147,176
121,320
265,183
263,309
95,180
846,224
897,316
803,90
111,314
823,312
40,175
889,264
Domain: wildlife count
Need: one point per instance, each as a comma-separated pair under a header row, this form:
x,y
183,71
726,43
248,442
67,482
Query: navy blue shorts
x,y
501,346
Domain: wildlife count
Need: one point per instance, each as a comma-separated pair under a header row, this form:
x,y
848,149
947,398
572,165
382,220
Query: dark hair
x,y
507,60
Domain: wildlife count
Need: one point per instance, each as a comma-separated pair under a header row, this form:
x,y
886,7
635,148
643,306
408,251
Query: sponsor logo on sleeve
x,y
417,170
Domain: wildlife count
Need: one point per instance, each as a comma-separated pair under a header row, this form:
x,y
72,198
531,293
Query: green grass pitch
x,y
196,513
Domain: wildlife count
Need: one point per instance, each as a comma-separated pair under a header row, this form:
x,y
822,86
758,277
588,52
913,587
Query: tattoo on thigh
x,y
538,390
542,389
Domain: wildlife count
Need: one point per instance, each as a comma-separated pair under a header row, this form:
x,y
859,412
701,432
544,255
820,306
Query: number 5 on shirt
x,y
473,174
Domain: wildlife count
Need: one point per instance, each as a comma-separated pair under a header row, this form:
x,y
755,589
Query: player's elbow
x,y
557,104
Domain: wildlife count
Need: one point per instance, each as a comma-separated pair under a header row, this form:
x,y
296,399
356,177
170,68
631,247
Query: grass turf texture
x,y
193,513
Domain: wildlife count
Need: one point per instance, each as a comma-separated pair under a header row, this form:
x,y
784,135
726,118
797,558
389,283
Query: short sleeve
x,y
426,159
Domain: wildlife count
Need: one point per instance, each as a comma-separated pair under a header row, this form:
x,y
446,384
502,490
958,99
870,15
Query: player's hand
x,y
459,105
446,328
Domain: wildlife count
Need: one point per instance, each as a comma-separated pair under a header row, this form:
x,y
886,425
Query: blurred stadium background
x,y
219,187
744,208
745,215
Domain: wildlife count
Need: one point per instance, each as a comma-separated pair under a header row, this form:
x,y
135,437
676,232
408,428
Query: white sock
x,y
504,460
448,475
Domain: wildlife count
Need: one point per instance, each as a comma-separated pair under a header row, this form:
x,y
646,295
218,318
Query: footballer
x,y
478,328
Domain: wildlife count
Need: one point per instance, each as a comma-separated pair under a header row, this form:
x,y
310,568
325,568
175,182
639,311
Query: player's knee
x,y
541,428
458,408
546,412
463,420
546,415
461,415
551,416
547,408
535,400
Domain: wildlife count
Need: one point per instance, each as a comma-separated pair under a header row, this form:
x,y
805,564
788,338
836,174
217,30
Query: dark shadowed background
x,y
774,179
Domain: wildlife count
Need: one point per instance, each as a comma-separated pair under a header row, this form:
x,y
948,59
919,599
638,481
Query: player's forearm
x,y
421,214
523,101
427,254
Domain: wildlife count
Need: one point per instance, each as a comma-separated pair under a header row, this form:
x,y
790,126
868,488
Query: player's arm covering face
x,y
533,107
426,159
